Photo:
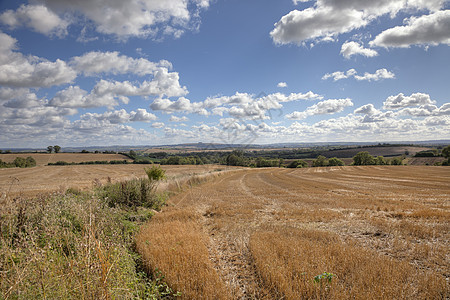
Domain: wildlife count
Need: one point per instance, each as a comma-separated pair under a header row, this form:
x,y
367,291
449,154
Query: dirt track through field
x,y
357,203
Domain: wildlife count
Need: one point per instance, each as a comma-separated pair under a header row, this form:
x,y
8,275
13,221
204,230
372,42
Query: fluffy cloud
x,y
178,119
372,114
110,93
36,17
426,110
158,125
140,18
430,29
97,62
120,116
338,75
240,105
17,70
349,49
329,18
282,84
181,105
330,106
378,75
401,101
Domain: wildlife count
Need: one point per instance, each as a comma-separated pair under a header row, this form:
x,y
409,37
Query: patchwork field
x,y
369,232
29,182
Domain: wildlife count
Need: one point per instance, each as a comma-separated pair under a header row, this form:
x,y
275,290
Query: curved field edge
x,y
390,227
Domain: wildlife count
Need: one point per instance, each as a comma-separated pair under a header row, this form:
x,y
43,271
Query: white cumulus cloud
x,y
378,75
17,70
141,18
430,29
326,19
37,17
349,49
401,101
330,106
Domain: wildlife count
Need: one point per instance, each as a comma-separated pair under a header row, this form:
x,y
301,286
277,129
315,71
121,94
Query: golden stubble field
x,y
380,232
43,159
29,182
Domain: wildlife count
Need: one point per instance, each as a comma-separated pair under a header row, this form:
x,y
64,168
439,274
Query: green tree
x,y
380,160
20,162
57,148
396,161
363,158
321,161
298,164
30,162
50,149
334,161
446,152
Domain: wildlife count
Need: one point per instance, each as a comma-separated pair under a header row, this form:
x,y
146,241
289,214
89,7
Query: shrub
x,y
131,194
321,161
298,164
335,162
363,158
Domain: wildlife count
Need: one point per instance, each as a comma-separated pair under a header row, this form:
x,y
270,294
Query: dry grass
x,y
289,259
173,243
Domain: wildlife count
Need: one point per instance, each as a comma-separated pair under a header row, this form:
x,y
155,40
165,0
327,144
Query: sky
x,y
153,72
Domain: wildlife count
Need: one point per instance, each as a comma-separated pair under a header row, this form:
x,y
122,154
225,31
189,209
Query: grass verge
x,y
74,246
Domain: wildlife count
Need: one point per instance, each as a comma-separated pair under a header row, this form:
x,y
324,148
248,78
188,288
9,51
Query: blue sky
x,y
163,72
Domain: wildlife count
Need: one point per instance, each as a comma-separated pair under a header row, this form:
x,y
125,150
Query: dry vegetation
x,y
381,231
80,245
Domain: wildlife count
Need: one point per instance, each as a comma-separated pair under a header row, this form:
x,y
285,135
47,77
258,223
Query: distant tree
x,y
7,151
446,152
57,148
50,149
234,159
396,161
298,164
132,154
321,161
84,151
30,162
20,162
334,161
363,158
380,160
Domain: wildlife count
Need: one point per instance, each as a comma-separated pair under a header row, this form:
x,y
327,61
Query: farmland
x,y
377,232
43,159
45,179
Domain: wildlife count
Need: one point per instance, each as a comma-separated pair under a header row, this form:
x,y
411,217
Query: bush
x,y
335,162
321,161
298,164
131,194
363,158
396,161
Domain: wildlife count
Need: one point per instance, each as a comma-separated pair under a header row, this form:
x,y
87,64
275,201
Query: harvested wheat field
x,y
42,159
369,232
28,182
